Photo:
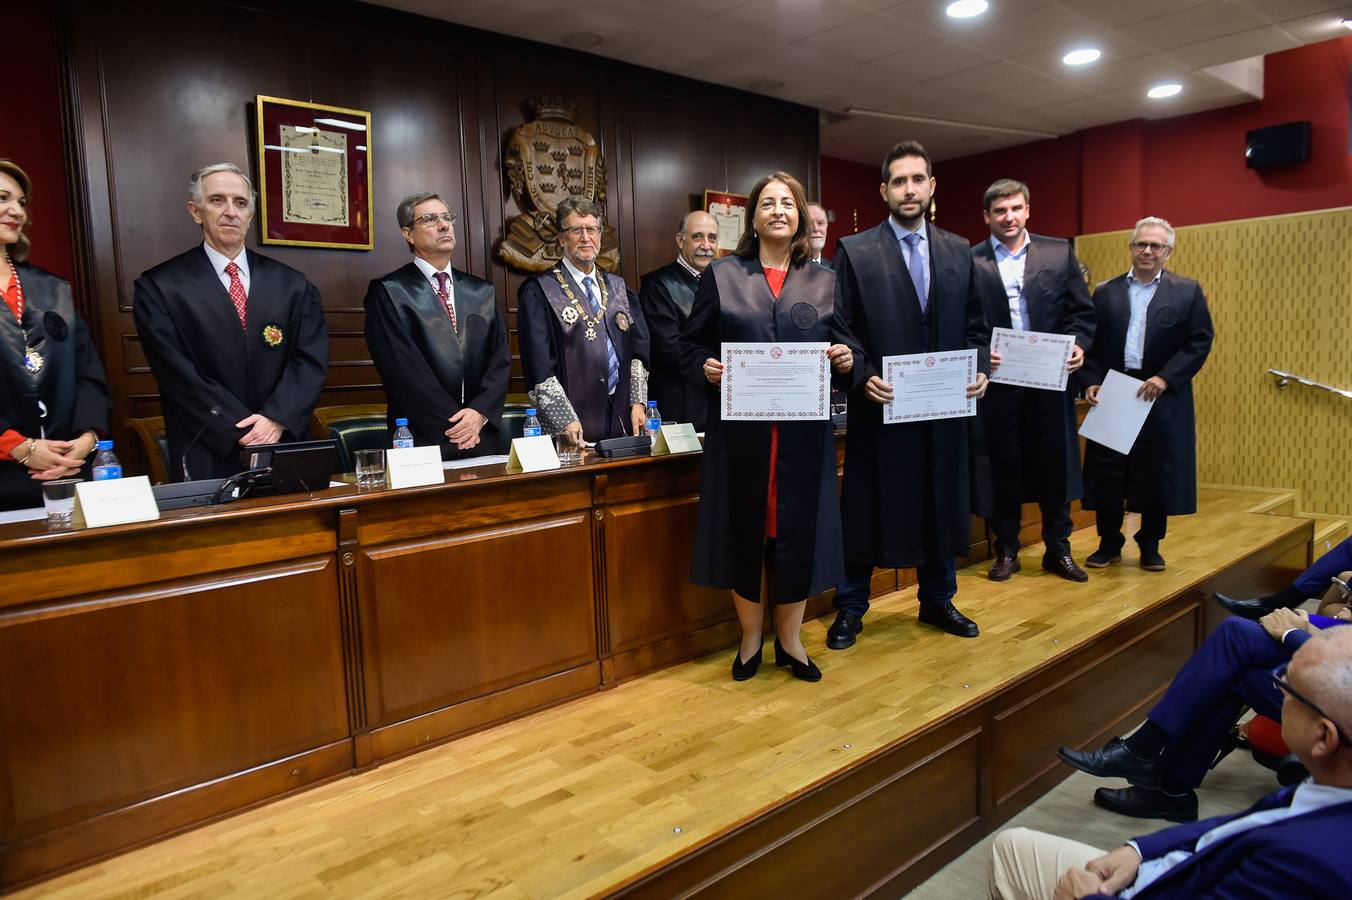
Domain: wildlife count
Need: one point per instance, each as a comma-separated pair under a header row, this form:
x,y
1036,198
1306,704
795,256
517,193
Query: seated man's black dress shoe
x,y
1113,761
1148,803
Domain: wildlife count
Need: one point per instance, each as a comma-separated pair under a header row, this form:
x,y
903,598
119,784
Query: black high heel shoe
x,y
741,671
807,671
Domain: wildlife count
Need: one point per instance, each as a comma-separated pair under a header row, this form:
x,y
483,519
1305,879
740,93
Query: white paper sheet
x,y
929,385
1117,419
474,462
775,382
23,515
1032,359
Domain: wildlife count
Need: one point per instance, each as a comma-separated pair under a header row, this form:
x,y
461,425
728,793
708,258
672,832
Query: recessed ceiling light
x,y
1160,91
965,9
1347,22
1082,57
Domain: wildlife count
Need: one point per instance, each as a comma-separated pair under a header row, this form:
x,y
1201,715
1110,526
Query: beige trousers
x,y
1026,864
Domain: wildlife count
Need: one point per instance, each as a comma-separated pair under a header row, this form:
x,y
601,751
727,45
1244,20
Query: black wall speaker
x,y
1277,145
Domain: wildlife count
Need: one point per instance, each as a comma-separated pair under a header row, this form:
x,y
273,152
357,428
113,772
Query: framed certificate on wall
x,y
314,174
729,211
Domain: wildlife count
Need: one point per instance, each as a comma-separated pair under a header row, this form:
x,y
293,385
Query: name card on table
x,y
679,438
407,467
118,501
532,454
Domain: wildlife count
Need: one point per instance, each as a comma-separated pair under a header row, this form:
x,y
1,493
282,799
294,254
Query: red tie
x,y
237,292
442,280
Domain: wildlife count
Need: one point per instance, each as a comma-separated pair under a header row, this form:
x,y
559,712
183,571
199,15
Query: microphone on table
x,y
212,413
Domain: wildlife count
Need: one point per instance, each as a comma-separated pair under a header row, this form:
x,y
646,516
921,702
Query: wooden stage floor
x,y
593,795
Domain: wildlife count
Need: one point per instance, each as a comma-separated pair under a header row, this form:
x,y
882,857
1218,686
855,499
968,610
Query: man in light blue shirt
x,y
1154,326
1289,844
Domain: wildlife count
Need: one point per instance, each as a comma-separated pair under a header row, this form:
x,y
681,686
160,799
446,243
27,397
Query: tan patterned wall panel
x,y
1280,292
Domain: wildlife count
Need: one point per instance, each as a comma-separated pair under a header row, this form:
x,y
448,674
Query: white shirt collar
x,y
685,265
430,271
577,275
219,261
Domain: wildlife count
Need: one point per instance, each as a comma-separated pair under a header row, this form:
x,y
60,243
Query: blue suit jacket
x,y
1303,856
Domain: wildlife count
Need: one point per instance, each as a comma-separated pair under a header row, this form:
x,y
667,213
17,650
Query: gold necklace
x,y
32,359
591,321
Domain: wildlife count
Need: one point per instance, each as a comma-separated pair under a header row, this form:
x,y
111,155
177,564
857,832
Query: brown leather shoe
x,y
1065,567
1004,567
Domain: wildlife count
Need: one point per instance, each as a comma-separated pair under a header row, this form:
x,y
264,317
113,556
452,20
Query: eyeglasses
x,y
1279,679
578,231
432,219
1141,246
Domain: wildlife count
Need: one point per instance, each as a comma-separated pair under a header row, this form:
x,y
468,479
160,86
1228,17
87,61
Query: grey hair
x,y
1157,222
1329,680
570,206
404,212
195,181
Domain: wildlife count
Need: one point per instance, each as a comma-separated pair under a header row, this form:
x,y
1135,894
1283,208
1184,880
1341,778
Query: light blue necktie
x,y
917,268
612,361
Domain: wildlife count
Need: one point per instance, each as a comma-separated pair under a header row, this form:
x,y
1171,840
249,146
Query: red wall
x,y
850,190
1188,169
32,135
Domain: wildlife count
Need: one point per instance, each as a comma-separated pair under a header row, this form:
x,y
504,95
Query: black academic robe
x,y
553,346
734,303
888,468
1162,465
71,384
431,370
1042,463
204,361
666,295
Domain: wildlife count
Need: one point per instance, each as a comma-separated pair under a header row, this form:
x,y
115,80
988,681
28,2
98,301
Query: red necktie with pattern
x,y
237,292
443,292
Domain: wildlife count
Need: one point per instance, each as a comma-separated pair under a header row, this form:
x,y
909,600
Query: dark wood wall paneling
x,y
443,100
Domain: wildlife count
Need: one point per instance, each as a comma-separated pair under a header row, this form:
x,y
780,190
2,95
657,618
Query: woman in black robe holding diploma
x,y
769,516
53,396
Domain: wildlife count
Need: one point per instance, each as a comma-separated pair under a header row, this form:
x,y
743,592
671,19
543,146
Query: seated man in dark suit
x,y
1335,563
1290,844
236,340
1168,756
438,339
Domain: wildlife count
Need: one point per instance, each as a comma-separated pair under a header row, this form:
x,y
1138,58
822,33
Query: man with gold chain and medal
x,y
584,349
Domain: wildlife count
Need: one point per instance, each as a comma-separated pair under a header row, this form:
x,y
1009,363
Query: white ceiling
x,y
1000,74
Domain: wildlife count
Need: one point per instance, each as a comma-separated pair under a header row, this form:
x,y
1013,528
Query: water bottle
x,y
532,426
106,466
403,438
654,420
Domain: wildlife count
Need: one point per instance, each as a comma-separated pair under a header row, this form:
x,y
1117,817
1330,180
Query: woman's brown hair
x,y
11,168
749,244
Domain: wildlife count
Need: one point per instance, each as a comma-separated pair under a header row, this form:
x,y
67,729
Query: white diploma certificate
x,y
929,385
1031,359
769,382
1117,419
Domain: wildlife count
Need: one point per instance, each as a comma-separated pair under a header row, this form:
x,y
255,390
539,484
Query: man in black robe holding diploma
x,y
237,340
1031,283
438,339
906,287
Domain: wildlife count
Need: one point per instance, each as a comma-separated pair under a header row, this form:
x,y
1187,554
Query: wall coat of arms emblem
x,y
546,160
